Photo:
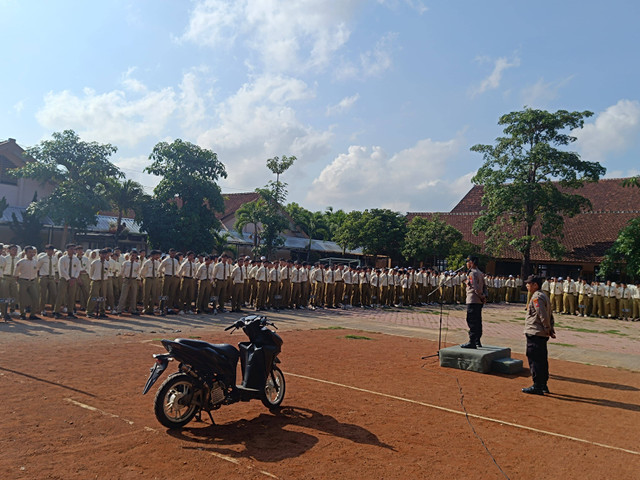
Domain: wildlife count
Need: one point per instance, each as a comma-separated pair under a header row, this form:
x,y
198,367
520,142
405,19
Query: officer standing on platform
x,y
538,329
475,299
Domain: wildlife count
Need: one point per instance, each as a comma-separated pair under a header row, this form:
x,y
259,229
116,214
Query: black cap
x,y
534,279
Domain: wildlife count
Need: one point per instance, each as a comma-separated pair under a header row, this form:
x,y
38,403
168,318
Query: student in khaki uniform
x,y
150,282
305,284
204,277
237,277
116,266
10,280
285,282
171,280
220,278
261,285
188,285
82,288
69,271
296,290
26,273
129,273
98,273
47,271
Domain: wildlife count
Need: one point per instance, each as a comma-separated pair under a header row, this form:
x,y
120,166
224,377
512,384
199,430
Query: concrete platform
x,y
511,366
476,360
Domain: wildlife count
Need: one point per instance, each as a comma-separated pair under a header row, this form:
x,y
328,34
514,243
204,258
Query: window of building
x,y
5,165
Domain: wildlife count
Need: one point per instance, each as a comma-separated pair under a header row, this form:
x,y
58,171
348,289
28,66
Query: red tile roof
x,y
587,236
233,201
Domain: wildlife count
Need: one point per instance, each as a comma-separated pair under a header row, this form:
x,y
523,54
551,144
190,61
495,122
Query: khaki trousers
x,y
48,292
28,295
238,295
204,295
82,289
188,292
296,293
97,289
66,295
170,289
129,294
150,294
261,294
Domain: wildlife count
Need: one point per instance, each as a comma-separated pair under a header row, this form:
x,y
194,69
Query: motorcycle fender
x,y
162,361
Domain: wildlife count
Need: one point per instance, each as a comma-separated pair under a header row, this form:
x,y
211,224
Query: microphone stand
x,y
437,354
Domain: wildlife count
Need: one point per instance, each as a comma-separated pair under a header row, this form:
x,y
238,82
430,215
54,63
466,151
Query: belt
x,y
47,276
27,279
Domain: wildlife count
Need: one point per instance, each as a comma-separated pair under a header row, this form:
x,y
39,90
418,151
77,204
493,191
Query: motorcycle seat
x,y
224,348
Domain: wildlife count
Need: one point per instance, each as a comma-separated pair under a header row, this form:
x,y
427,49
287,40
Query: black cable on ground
x,y
466,414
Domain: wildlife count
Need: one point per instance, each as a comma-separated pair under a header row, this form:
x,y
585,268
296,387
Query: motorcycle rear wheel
x,y
273,394
174,406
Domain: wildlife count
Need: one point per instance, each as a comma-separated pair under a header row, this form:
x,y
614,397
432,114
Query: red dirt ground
x,y
325,431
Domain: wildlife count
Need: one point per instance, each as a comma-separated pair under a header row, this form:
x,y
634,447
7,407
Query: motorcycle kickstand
x,y
212,420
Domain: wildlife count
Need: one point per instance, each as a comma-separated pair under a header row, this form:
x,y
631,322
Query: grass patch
x,y
194,337
357,337
616,332
519,318
157,339
576,329
563,344
330,328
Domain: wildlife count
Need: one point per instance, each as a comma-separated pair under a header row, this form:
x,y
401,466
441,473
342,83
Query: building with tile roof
x,y
587,236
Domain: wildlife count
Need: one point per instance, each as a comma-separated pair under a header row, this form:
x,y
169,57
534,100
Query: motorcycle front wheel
x,y
174,404
274,389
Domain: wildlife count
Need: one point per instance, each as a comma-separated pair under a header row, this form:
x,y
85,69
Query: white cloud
x,y
410,180
343,105
112,117
613,131
416,5
299,34
376,61
493,80
541,93
132,84
259,122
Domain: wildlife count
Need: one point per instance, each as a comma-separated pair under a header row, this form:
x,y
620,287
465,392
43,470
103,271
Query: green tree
x,y
334,218
162,222
429,239
521,175
271,216
124,195
250,213
80,170
624,254
376,231
27,231
188,180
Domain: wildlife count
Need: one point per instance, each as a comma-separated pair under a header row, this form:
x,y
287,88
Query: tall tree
x,y
314,224
429,239
274,195
521,177
124,195
80,170
189,177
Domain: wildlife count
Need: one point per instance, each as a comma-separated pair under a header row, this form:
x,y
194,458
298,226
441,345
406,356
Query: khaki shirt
x,y
539,320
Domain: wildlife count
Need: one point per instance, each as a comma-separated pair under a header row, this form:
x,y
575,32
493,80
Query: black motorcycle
x,y
206,377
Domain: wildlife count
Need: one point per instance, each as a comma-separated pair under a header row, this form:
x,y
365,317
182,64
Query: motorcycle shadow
x,y
268,438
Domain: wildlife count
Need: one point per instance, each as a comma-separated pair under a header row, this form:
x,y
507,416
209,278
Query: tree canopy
x,y
624,254
188,190
429,239
80,170
528,181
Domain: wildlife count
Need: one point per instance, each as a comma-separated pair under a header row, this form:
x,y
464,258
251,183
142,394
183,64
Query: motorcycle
x,y
206,376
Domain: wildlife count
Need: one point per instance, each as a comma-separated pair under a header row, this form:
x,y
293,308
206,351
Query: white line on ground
x,y
458,412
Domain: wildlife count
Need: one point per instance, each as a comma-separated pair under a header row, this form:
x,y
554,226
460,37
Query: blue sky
x,y
379,100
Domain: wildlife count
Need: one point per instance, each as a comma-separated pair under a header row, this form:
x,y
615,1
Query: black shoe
x,y
71,315
56,315
34,317
468,345
533,390
91,315
23,317
545,389
102,315
478,344
135,314
7,317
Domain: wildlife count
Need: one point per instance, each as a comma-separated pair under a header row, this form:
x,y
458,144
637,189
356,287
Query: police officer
x,y
538,328
475,300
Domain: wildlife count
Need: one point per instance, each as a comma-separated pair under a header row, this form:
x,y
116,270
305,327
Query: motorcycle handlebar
x,y
229,327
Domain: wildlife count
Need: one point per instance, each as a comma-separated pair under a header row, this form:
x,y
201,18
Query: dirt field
x,y
355,408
